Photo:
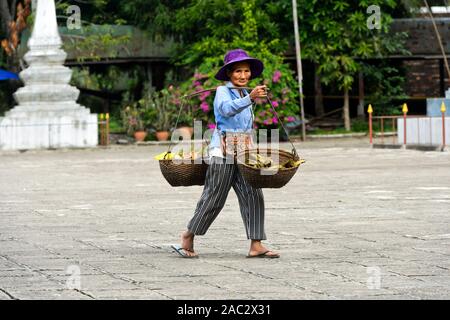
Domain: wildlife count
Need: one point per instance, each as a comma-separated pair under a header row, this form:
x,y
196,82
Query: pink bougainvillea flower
x,y
275,104
204,95
211,126
276,76
197,83
204,106
274,120
290,119
266,122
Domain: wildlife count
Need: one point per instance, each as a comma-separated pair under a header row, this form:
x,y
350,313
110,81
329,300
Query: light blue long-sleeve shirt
x,y
232,113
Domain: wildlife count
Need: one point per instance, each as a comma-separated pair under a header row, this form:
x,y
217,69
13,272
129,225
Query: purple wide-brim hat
x,y
239,55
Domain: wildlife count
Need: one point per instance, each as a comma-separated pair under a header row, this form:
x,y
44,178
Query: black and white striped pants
x,y
220,177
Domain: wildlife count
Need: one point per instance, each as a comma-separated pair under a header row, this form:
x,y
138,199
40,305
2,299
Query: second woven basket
x,y
264,177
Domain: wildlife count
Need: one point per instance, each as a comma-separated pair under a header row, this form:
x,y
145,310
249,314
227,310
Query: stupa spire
x,y
45,31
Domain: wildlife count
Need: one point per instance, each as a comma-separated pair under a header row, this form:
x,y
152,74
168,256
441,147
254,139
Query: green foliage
x,y
115,125
385,85
132,120
184,110
155,109
230,26
335,38
96,38
112,79
158,109
358,126
96,42
334,35
156,16
95,11
209,28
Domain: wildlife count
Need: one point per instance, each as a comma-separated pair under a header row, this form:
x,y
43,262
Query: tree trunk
x,y
5,18
346,111
12,8
360,113
106,103
318,98
7,15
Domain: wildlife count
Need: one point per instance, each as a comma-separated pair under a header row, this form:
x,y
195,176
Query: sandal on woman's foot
x,y
182,251
264,255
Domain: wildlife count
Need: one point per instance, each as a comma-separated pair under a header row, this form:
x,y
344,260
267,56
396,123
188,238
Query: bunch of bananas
x,y
165,156
180,155
258,161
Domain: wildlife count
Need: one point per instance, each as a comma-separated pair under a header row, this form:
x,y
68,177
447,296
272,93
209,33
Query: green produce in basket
x,y
259,162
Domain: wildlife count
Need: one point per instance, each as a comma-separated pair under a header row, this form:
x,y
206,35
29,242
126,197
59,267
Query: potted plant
x,y
160,112
133,122
185,124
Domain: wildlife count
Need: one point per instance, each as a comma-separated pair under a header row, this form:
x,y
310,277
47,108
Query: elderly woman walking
x,y
233,110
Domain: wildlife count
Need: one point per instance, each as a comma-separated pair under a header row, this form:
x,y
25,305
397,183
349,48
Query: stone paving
x,y
354,223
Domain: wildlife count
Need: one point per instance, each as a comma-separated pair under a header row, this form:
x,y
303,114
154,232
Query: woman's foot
x,y
187,243
258,250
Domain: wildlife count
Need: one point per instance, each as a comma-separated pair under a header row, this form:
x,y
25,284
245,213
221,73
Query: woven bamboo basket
x,y
263,177
183,174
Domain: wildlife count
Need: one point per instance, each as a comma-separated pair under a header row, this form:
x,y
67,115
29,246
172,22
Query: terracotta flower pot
x,y
186,132
140,135
162,135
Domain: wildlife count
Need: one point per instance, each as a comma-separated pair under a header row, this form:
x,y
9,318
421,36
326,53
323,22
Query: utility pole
x,y
438,36
299,67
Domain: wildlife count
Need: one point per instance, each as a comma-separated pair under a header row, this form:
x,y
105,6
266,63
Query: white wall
x,y
44,133
423,131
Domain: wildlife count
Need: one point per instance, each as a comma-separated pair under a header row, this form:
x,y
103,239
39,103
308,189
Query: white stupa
x,y
47,115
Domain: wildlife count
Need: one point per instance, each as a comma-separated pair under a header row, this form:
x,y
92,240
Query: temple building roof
x,y
108,43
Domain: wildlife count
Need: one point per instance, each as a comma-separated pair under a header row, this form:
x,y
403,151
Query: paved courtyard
x,y
354,223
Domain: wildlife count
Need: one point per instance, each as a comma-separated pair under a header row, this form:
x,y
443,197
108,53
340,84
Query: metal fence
x,y
413,130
